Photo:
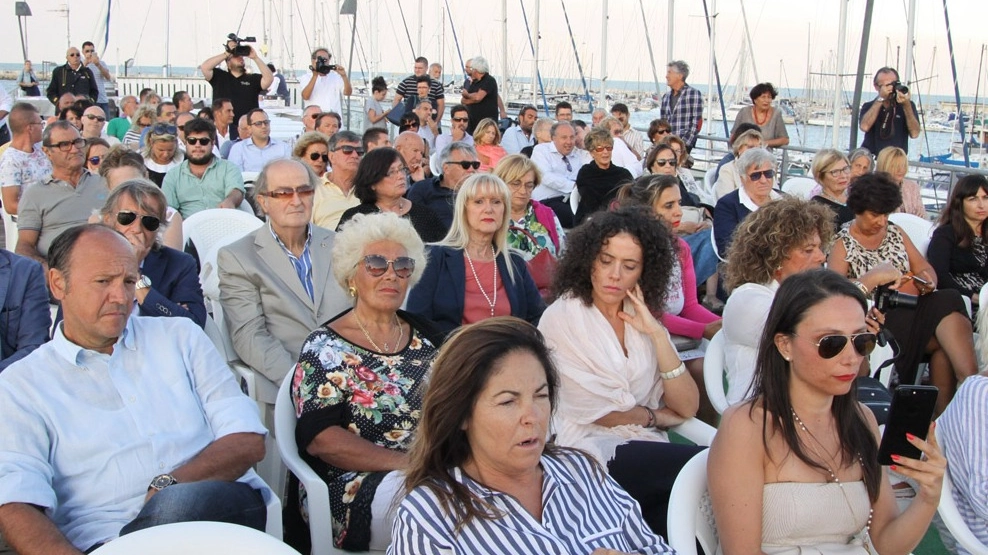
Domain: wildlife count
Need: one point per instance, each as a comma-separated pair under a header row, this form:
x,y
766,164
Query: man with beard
x,y
202,181
519,136
235,83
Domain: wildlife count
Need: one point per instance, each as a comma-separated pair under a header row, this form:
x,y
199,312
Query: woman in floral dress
x,y
357,388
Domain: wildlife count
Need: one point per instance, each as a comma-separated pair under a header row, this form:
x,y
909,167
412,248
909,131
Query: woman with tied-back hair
x,y
484,477
795,468
161,152
862,162
958,251
487,141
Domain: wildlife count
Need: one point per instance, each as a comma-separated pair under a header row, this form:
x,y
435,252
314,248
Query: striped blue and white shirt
x,y
303,264
582,509
963,433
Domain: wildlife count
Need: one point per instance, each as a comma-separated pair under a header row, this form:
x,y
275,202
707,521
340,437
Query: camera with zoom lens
x,y
240,49
323,67
887,298
898,86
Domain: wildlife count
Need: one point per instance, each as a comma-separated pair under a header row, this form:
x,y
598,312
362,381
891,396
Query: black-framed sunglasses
x,y
830,346
465,164
100,119
164,129
661,162
461,120
304,191
347,149
150,223
204,141
767,174
317,155
376,265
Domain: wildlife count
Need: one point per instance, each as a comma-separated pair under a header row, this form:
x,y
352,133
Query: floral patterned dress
x,y
522,243
375,396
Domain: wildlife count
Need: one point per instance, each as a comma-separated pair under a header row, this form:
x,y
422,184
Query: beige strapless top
x,y
814,518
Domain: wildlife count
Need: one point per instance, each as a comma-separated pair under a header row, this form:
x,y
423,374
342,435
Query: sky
x,y
786,36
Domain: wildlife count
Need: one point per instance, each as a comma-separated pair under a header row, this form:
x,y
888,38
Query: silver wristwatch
x,y
143,283
162,481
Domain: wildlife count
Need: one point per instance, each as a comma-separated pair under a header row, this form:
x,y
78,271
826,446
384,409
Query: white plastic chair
x,y
9,229
952,518
434,164
207,227
690,516
708,181
920,231
714,363
197,538
317,493
799,187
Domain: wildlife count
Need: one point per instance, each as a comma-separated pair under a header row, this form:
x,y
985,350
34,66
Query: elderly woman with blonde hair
x,y
161,152
832,172
312,149
894,161
358,385
471,274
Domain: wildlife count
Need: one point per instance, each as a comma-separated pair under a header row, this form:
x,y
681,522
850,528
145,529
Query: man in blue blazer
x,y
25,318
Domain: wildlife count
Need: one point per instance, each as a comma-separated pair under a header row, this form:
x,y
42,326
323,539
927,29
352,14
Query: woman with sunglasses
x,y
169,284
380,184
360,377
757,167
598,181
832,171
683,172
161,152
143,117
96,150
795,469
938,324
312,149
472,275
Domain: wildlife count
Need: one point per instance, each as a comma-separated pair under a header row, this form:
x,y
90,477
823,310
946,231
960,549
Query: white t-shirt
x,y
23,169
327,93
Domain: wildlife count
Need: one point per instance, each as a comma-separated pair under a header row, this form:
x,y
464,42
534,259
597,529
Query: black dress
x,y
842,214
598,187
428,225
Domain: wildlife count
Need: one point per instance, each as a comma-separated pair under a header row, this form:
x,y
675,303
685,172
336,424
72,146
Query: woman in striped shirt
x,y
483,478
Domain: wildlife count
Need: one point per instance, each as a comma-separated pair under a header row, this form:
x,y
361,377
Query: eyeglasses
x,y
66,146
830,346
192,141
376,265
150,223
347,149
304,191
96,160
461,120
846,170
262,123
398,172
661,162
100,119
317,155
465,164
74,55
602,148
757,176
517,184
164,129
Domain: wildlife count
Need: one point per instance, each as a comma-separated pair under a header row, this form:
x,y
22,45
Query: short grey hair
x,y
59,124
343,136
542,124
362,230
557,125
480,64
680,67
858,153
261,183
459,146
755,157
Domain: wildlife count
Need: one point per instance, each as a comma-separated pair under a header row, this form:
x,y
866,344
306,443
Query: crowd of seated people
x,y
435,328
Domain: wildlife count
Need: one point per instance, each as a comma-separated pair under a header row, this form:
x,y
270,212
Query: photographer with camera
x,y
923,320
235,83
327,83
890,119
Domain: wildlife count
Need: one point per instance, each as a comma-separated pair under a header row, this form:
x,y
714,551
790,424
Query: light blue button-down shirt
x,y
84,432
251,158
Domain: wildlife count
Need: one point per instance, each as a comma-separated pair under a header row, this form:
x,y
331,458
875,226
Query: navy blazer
x,y
25,317
727,216
174,282
439,295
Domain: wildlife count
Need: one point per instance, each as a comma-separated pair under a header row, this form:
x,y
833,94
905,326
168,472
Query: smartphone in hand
x,y
911,412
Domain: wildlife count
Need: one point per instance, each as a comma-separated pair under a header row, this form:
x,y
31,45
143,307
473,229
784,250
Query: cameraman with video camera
x,y
235,83
327,83
890,119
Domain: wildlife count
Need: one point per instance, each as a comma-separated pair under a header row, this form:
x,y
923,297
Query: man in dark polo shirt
x,y
235,83
480,97
890,119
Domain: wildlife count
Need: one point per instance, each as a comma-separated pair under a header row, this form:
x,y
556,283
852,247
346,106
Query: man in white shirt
x,y
519,136
559,161
251,155
325,86
137,423
24,163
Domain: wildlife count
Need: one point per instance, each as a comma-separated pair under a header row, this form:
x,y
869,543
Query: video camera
x,y
239,49
323,67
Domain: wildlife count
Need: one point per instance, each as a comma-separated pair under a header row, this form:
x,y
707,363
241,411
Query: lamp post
x,y
22,11
350,8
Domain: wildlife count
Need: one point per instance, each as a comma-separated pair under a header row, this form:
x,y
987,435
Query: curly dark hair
x,y
584,244
761,89
374,167
874,192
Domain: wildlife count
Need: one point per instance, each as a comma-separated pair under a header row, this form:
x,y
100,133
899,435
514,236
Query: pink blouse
x,y
691,321
912,200
493,154
476,306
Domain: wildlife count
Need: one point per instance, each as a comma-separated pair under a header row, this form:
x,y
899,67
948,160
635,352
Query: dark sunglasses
x,y
767,174
376,265
661,162
126,217
461,120
304,191
164,129
198,140
466,164
74,55
95,160
100,119
347,149
663,132
830,346
317,155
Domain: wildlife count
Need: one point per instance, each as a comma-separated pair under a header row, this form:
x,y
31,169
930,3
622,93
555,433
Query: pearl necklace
x,y
833,478
490,303
387,347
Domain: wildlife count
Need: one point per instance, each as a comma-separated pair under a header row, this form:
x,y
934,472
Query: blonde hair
x,y
890,159
515,166
824,159
742,140
482,128
472,187
142,111
308,139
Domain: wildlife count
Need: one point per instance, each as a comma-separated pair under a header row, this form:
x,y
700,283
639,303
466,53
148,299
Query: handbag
x,y
542,266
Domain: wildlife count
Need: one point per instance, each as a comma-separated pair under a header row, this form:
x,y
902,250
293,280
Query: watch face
x,y
144,282
163,481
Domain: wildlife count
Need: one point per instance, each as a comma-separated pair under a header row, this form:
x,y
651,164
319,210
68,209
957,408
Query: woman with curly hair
x,y
622,383
784,238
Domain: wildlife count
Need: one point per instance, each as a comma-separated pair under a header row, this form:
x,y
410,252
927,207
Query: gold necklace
x,y
387,347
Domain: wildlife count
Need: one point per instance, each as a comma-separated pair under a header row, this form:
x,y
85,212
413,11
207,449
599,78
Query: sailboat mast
x,y
670,26
602,102
648,41
747,34
839,72
418,42
504,49
910,39
168,22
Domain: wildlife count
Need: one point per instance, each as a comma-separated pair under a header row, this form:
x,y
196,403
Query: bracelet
x,y
674,373
862,287
651,417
